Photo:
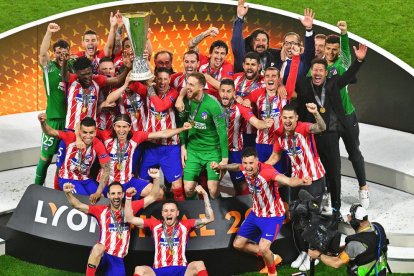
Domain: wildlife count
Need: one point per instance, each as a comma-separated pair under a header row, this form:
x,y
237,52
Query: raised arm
x,y
320,125
293,181
68,189
45,127
237,41
109,46
129,213
167,133
44,47
65,69
192,44
345,55
209,211
307,22
115,95
103,181
153,195
349,74
120,79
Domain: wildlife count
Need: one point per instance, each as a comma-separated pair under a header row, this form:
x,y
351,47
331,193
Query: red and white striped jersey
x,y
135,105
82,103
105,118
243,88
161,115
301,149
123,173
178,81
77,164
265,192
164,256
95,61
226,71
273,109
236,116
115,244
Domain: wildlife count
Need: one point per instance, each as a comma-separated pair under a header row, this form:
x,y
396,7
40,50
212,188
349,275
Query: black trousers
x,y
350,137
327,144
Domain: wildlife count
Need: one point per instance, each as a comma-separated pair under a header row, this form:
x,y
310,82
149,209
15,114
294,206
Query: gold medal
x,y
137,115
192,123
158,116
84,109
119,166
120,236
322,110
172,251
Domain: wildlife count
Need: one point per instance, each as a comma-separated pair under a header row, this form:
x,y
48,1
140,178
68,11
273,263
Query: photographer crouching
x,y
365,251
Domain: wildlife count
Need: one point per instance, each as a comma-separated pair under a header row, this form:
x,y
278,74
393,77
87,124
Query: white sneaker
x,y
299,260
305,266
326,204
364,198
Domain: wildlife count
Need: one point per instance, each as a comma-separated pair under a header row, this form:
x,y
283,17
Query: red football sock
x,y
56,183
90,270
271,269
178,194
202,273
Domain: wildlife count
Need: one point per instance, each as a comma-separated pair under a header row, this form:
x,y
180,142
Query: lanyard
x,y
85,99
118,226
215,74
294,144
80,158
120,152
170,239
263,62
321,100
228,113
269,105
192,116
242,91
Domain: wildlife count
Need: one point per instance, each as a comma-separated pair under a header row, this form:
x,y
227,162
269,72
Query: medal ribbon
x,y
228,113
192,116
263,61
118,225
242,91
321,100
215,74
120,152
294,144
80,157
85,97
170,239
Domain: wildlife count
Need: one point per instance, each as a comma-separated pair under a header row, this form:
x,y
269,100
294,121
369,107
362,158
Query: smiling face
x,y
162,83
318,73
193,88
250,164
115,196
227,94
59,54
319,47
170,213
87,133
190,63
251,68
90,44
289,120
260,43
107,68
288,42
122,129
217,57
85,77
271,79
331,52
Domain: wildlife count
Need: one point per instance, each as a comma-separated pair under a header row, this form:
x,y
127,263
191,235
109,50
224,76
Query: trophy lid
x,y
135,14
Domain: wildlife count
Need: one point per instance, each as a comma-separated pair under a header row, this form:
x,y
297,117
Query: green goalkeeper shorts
x,y
197,160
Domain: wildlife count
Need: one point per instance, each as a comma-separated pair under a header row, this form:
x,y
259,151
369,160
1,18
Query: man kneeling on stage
x,y
113,243
170,238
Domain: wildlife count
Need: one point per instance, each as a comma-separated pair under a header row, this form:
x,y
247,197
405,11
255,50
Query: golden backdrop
x,y
173,24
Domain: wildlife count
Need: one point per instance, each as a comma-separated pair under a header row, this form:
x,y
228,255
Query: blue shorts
x,y
170,271
138,184
264,151
254,228
166,157
235,157
136,158
82,187
60,154
112,265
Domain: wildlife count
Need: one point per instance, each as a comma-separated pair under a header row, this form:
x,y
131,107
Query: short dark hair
x,y
105,59
89,32
289,107
124,118
249,151
271,68
253,55
319,61
192,52
227,82
219,44
169,201
88,122
332,39
61,44
164,52
115,183
162,70
82,63
200,77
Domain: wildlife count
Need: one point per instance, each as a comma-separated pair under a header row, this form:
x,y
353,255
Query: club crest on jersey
x,y
333,72
204,116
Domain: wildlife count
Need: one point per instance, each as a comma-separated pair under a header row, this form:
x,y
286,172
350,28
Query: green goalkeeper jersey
x,y
209,131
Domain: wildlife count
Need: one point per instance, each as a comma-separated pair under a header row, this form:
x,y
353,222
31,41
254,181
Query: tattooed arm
x,y
93,198
192,44
320,125
209,211
235,167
